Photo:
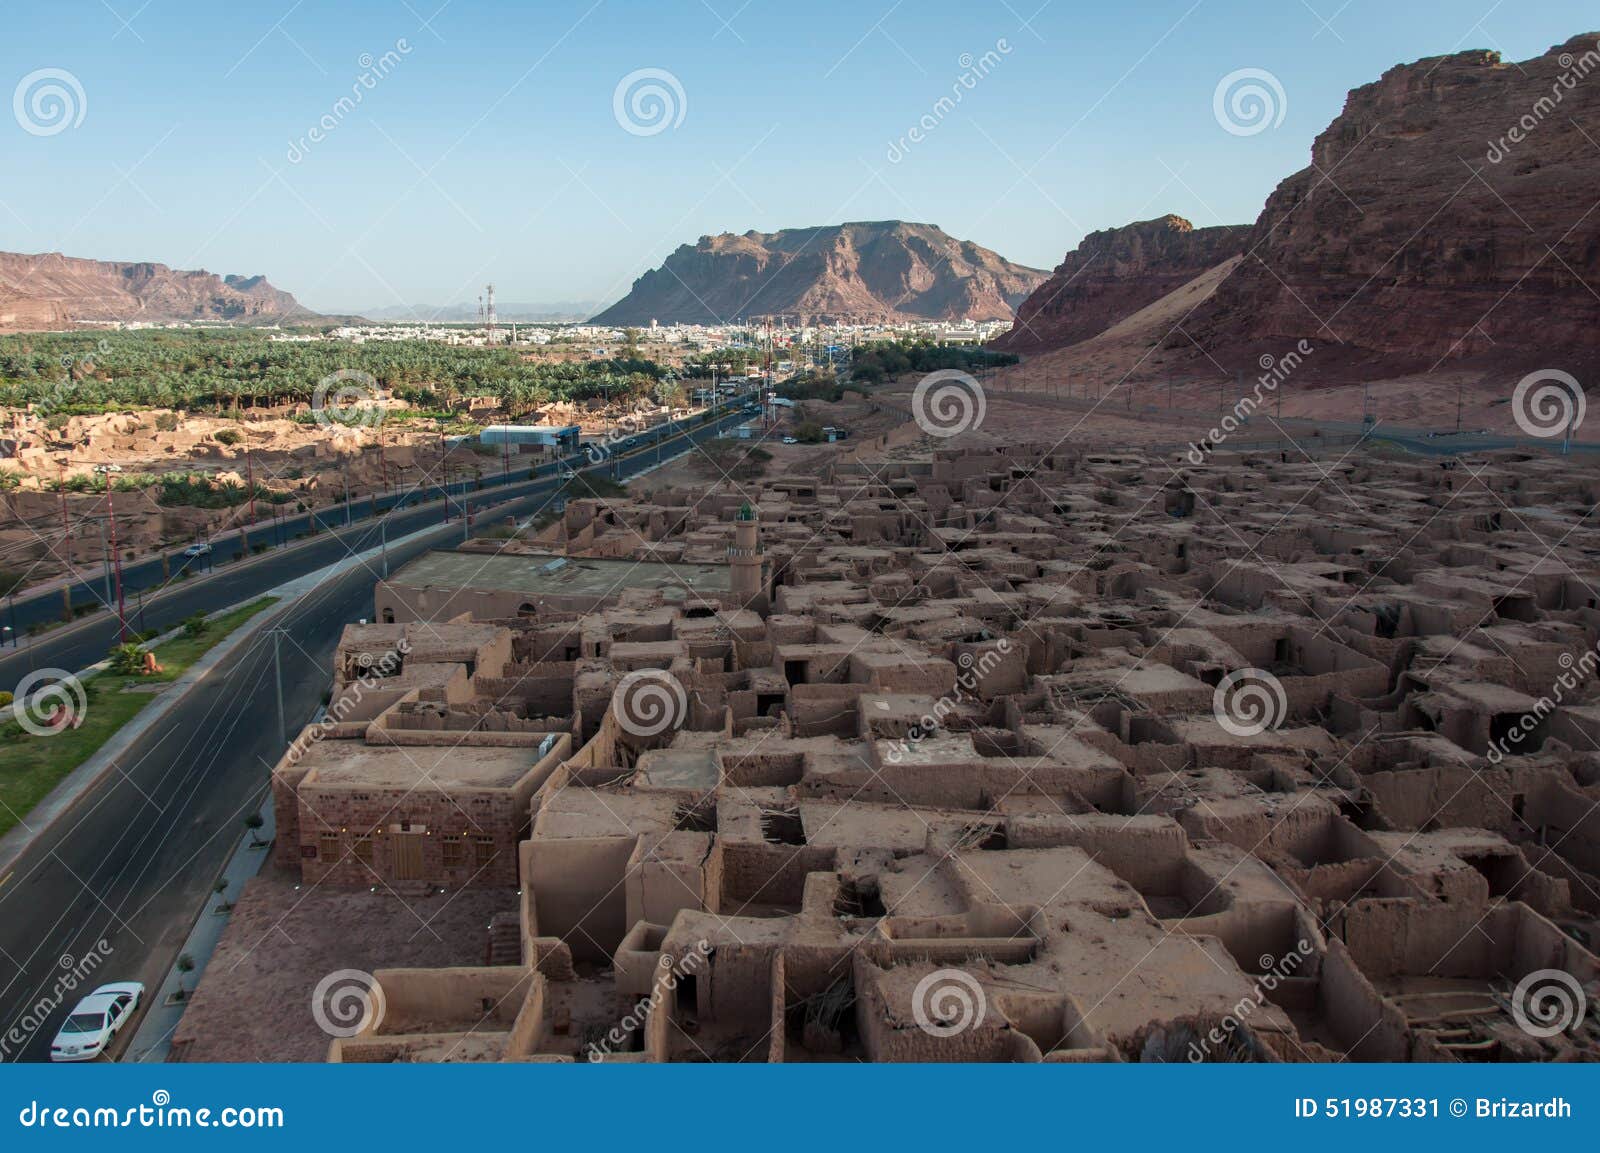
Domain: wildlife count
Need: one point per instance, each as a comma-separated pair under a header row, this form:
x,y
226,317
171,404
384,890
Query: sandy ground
x,y
1147,358
255,1001
862,420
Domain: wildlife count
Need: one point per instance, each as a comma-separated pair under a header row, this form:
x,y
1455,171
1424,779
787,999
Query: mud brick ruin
x,y
993,756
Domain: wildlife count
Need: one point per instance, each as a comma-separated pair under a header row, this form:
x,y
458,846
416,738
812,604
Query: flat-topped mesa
x,y
869,271
49,290
1112,274
1448,212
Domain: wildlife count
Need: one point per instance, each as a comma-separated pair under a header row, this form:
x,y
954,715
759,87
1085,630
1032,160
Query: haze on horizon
x,y
495,142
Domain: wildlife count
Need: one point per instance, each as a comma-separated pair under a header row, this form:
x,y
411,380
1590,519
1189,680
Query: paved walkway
x,y
153,1040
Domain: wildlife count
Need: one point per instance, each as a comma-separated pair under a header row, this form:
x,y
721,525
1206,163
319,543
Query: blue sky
x,y
491,151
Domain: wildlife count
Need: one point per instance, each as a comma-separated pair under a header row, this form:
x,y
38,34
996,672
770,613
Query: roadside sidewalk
x,y
152,1041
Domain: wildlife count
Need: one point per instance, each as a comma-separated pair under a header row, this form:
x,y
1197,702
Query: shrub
x,y
227,436
195,624
166,422
127,660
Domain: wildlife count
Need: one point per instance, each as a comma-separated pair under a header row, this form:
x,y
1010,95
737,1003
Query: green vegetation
x,y
734,459
228,371
30,766
809,432
876,362
592,484
816,387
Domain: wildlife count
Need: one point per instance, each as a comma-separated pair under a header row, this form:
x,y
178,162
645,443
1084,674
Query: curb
x,y
71,788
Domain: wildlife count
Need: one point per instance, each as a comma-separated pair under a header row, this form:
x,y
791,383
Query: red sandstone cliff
x,y
883,270
1449,212
54,291
1114,273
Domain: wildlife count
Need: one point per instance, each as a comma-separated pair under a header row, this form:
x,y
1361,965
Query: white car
x,y
199,548
790,440
88,1029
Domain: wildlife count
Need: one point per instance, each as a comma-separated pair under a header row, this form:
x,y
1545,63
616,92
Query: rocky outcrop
x,y
1113,274
885,270
1448,213
54,291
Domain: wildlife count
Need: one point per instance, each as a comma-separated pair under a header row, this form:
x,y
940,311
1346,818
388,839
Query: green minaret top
x,y
746,512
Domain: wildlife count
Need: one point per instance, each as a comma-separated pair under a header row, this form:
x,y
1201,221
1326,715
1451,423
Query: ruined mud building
x,y
967,714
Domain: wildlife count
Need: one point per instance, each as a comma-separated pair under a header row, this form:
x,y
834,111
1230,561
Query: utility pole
x,y
116,564
66,525
105,555
344,472
444,466
277,669
250,481
1458,409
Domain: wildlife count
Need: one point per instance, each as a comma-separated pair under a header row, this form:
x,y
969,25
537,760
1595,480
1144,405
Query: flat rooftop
x,y
358,765
545,573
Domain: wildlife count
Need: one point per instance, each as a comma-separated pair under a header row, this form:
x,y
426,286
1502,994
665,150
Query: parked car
x,y
790,440
88,1029
198,548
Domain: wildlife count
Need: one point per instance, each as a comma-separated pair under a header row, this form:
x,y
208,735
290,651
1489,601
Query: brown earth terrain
x,y
871,271
1446,223
49,291
1113,273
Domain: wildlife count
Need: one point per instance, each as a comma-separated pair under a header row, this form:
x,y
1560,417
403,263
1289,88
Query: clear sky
x,y
491,147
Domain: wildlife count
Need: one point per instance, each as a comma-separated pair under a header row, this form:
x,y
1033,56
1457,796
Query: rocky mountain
x,y
54,291
1114,273
882,270
1448,213
1447,217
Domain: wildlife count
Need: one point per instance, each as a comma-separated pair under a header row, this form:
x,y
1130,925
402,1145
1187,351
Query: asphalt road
x,y
133,860
76,646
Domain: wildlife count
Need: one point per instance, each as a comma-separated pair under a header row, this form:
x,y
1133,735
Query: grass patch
x,y
30,766
593,485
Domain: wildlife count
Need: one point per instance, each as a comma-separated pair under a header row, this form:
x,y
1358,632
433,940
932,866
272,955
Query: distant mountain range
x,y
49,290
543,312
887,270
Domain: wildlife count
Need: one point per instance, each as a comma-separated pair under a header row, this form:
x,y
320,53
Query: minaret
x,y
744,557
